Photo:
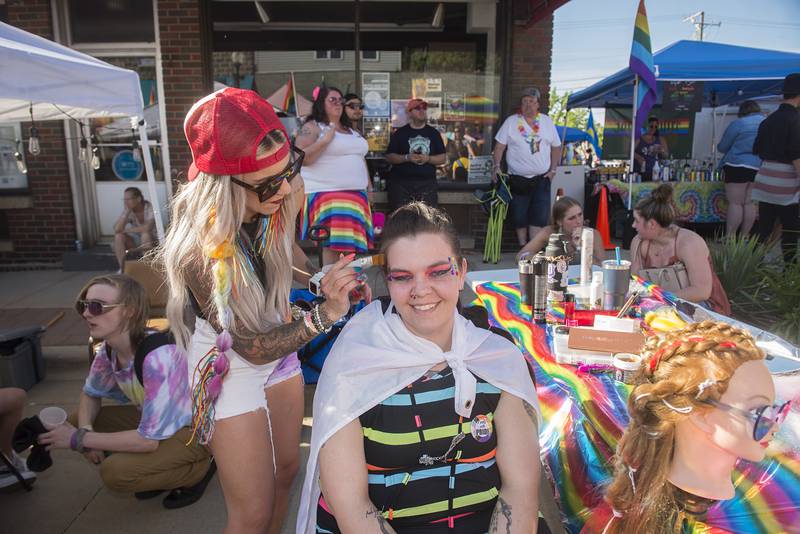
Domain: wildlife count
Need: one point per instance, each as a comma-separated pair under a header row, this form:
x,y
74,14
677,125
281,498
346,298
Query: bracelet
x,y
76,441
406,157
309,322
319,324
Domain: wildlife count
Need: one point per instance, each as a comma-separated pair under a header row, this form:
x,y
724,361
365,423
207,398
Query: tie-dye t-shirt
x,y
163,400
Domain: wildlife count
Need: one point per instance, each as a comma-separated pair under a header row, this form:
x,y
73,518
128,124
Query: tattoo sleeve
x,y
263,347
500,516
382,524
277,343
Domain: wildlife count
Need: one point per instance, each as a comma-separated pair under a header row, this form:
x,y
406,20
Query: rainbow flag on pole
x,y
641,64
289,105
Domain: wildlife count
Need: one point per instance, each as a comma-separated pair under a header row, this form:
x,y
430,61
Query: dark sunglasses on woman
x,y
272,184
95,307
355,106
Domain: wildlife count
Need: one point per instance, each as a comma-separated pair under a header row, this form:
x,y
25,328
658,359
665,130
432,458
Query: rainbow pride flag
x,y
289,105
641,64
584,416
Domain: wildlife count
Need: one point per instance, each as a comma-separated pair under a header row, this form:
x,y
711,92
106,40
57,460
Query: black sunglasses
x,y
355,106
272,184
95,307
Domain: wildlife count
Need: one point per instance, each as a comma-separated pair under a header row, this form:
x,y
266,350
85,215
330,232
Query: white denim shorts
x,y
244,385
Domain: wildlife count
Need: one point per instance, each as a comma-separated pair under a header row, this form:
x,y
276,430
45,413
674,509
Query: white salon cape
x,y
375,356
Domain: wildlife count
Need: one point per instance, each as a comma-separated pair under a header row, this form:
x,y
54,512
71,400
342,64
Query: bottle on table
x,y
557,259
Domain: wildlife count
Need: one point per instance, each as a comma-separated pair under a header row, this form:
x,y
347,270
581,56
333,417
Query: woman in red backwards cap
x,y
228,255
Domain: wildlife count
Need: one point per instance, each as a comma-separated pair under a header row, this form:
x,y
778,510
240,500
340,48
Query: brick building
x,y
482,50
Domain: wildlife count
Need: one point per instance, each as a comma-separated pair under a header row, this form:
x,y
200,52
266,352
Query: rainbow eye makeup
x,y
437,273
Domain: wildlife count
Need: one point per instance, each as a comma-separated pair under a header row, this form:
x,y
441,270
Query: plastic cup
x,y
52,416
616,281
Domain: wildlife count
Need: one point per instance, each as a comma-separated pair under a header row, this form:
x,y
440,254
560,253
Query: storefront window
x,y
12,177
111,21
445,53
118,144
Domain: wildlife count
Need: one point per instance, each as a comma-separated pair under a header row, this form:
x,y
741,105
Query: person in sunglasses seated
x,y
336,178
415,150
148,433
423,422
703,399
228,258
354,109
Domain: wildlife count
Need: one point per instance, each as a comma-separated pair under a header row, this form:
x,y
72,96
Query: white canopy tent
x,y
52,81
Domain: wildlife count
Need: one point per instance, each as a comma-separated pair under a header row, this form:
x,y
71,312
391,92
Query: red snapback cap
x,y
224,130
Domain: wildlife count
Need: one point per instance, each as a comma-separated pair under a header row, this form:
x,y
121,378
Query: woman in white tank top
x,y
336,178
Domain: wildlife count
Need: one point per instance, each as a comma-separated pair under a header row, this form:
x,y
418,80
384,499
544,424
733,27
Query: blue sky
x,y
592,38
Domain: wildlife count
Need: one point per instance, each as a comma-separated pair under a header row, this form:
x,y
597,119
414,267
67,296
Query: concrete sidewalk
x,y
69,498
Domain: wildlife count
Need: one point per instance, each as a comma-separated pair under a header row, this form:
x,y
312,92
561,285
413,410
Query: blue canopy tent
x,y
730,74
573,135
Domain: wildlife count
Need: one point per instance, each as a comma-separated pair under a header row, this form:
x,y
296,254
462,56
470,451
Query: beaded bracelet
x,y
316,316
309,322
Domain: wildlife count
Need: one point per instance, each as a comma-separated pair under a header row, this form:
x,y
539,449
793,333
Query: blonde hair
x,y
133,298
680,372
206,213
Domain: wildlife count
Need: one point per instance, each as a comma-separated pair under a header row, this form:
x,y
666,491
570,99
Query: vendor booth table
x,y
585,414
695,202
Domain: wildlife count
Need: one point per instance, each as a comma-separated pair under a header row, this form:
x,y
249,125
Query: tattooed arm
x,y
517,507
276,343
343,481
310,141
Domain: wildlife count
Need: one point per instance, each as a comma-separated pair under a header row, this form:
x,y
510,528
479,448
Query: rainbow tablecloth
x,y
697,202
584,416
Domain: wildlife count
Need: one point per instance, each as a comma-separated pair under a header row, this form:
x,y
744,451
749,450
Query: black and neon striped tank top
x,y
430,470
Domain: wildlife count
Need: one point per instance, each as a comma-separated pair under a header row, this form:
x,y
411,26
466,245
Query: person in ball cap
x,y
415,150
532,148
228,256
777,184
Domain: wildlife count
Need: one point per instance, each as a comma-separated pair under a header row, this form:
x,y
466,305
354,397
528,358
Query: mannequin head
x,y
682,417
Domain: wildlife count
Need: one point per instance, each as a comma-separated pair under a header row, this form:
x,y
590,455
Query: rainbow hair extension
x,y
212,368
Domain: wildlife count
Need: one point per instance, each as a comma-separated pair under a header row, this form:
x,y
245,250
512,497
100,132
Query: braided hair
x,y
681,370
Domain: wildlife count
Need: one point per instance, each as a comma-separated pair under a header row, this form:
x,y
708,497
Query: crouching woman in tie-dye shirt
x,y
149,431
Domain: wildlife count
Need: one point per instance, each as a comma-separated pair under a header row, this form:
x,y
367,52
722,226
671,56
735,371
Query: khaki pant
x,y
172,465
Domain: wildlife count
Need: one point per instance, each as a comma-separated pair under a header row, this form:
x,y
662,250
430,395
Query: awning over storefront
x,y
729,73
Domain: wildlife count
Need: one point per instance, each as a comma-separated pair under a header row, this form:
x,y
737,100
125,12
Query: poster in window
x,y
434,108
434,85
399,113
454,107
376,131
481,170
375,86
419,88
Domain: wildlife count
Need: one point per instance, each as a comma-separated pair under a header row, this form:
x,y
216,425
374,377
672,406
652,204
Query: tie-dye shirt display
x,y
163,399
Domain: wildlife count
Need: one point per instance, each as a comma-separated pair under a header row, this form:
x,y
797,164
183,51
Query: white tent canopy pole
x,y
151,181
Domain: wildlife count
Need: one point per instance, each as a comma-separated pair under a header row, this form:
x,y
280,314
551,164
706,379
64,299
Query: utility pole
x,y
699,27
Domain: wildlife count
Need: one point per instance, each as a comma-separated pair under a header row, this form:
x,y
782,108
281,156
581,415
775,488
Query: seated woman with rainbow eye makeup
x,y
423,422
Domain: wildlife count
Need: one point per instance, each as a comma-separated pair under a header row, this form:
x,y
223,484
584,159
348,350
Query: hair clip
x,y
684,409
727,345
653,434
704,385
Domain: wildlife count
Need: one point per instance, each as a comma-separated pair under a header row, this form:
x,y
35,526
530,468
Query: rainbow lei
x,y
521,126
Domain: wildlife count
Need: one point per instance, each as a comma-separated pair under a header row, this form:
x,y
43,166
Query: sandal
x,y
180,497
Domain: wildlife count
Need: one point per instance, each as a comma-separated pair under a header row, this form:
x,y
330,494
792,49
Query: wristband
x,y
73,441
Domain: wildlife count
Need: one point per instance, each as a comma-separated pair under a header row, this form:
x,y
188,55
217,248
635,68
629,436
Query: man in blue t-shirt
x,y
415,150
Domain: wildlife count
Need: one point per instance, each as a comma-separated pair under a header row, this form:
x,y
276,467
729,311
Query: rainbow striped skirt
x,y
346,214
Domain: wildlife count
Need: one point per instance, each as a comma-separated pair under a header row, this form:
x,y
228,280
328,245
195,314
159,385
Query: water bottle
x,y
376,181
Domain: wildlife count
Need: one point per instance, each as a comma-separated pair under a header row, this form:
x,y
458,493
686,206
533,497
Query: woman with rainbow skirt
x,y
336,178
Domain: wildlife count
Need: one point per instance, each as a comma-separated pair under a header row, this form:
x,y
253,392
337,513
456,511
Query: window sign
x,y
375,86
